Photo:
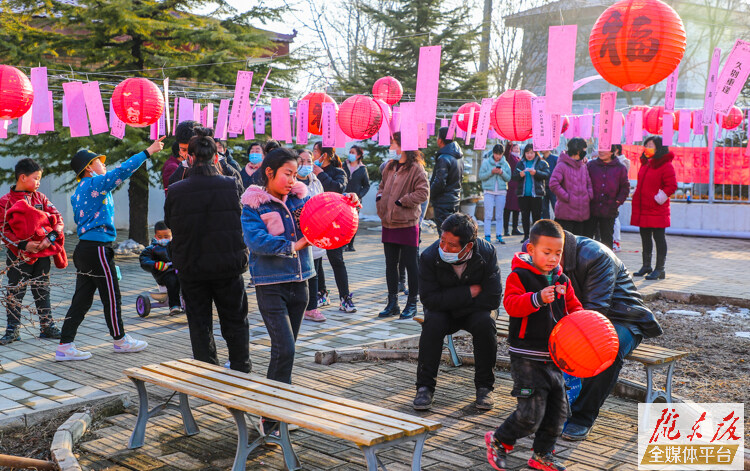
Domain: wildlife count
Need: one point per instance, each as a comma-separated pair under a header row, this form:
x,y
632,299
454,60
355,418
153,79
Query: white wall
x,y
717,220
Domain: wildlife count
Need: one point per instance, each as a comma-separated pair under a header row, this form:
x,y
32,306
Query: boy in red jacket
x,y
29,270
537,296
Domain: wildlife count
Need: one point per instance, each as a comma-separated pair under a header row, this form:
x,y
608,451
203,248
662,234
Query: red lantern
x,y
315,113
138,102
464,113
565,124
584,344
637,43
359,117
732,120
653,120
511,114
16,93
329,220
388,89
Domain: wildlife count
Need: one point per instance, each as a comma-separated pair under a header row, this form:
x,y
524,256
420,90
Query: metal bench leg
x,y
290,457
373,462
416,462
191,428
139,432
452,349
670,371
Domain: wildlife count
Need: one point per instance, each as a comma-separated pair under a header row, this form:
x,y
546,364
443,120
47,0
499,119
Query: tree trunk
x,y
484,47
138,199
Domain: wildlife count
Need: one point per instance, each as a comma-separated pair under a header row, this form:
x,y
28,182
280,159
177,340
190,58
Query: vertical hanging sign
x,y
561,58
241,101
428,81
606,119
303,108
708,101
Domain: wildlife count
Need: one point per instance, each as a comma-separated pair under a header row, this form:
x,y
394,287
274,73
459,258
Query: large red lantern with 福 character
x,y
138,102
637,43
329,220
359,117
583,344
387,89
16,93
730,121
511,114
315,113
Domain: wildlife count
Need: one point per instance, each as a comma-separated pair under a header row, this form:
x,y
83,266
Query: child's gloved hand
x,y
161,266
547,294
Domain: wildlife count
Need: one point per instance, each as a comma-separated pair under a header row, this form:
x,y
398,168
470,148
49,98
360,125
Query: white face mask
x,y
392,154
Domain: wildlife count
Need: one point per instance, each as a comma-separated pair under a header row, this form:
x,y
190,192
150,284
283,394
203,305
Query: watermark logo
x,y
691,436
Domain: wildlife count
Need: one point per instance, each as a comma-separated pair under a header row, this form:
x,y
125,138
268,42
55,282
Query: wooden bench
x,y
652,357
370,427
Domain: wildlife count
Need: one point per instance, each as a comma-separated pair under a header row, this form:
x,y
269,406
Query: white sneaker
x,y
68,351
128,344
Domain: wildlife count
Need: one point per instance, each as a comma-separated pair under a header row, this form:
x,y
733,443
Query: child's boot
x,y
11,335
546,462
496,452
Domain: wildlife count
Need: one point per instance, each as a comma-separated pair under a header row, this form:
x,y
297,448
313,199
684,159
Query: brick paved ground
x,y
31,380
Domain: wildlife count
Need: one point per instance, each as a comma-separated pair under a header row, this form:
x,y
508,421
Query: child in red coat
x,y
32,229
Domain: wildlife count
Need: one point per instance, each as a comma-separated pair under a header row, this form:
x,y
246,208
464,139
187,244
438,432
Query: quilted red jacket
x,y
655,174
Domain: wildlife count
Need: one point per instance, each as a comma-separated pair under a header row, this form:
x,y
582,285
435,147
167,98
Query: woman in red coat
x,y
656,183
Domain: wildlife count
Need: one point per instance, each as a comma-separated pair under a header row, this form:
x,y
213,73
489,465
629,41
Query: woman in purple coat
x,y
571,184
513,156
609,179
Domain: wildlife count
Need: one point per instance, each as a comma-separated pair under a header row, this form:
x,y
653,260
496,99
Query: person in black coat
x,y
459,286
226,153
328,170
156,260
446,180
208,251
358,179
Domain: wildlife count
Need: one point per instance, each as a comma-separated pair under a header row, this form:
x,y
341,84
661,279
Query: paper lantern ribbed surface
x,y
388,89
637,43
315,113
359,117
329,220
138,102
653,120
730,121
511,114
464,113
584,344
16,93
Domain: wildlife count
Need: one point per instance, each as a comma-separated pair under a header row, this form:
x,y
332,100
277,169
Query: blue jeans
x,y
594,391
493,206
282,306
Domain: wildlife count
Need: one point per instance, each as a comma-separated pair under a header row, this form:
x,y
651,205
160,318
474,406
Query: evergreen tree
x,y
116,39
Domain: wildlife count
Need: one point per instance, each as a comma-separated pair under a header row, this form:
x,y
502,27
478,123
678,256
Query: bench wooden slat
x,y
333,411
429,424
356,435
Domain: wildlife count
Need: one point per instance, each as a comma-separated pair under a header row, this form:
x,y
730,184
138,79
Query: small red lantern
x,y
637,43
653,120
16,93
464,113
315,114
565,124
584,344
388,89
359,117
138,102
511,114
730,121
329,220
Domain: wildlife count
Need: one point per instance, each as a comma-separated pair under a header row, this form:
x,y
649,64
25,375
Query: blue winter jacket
x,y
489,179
271,227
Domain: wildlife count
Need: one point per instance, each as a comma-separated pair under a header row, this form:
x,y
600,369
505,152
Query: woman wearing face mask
x,y
328,170
255,158
656,183
571,183
513,156
403,189
495,175
314,187
531,174
359,180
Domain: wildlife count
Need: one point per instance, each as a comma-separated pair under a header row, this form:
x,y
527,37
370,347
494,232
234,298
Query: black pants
x,y
282,306
336,259
531,212
20,276
442,211
506,219
542,408
170,281
602,229
548,202
438,324
95,267
312,288
231,305
396,256
320,275
574,227
658,235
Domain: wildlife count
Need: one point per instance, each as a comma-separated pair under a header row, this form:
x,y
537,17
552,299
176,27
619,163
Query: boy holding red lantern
x,y
537,296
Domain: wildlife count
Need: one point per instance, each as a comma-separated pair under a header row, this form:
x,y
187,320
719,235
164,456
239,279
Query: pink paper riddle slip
x,y
41,103
428,82
95,108
732,77
221,121
241,101
483,124
303,108
708,101
561,53
76,108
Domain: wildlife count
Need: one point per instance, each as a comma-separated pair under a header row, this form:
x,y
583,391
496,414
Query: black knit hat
x,y
82,159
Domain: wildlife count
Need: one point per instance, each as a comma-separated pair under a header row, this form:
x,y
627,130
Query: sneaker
x,y
574,432
323,299
68,351
500,240
496,452
175,310
315,316
49,331
484,399
616,246
488,239
347,305
546,462
11,335
128,344
423,399
228,365
516,232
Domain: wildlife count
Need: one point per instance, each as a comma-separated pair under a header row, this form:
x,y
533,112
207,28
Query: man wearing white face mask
x,y
459,285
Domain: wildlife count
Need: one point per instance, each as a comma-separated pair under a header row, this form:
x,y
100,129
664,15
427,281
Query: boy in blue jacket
x,y
157,260
94,258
